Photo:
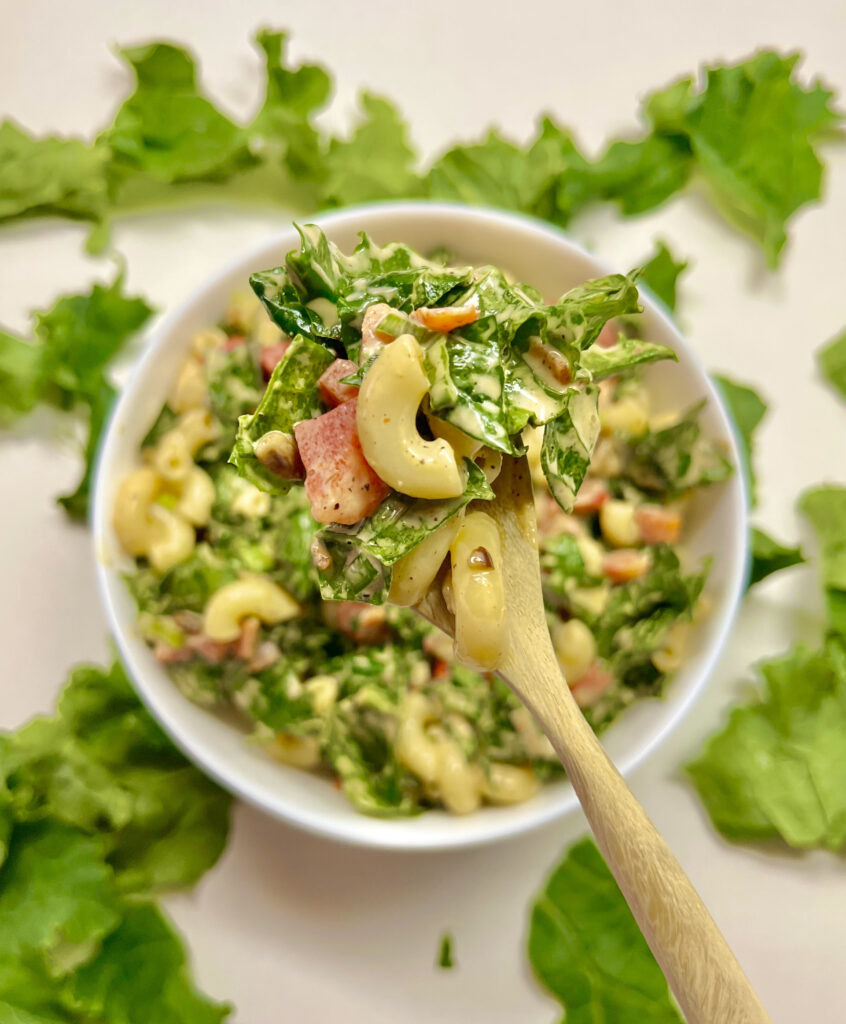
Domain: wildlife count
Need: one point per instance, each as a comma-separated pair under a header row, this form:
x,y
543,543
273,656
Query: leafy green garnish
x,y
832,360
747,409
661,273
825,508
96,806
752,129
777,768
167,129
103,766
291,396
352,175
769,556
586,949
50,175
66,365
446,958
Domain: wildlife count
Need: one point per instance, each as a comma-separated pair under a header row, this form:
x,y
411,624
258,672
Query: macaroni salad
x,y
391,386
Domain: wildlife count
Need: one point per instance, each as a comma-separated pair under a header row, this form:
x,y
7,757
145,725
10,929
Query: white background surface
x,y
294,928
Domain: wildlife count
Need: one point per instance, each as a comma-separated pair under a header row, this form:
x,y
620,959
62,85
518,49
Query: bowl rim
x,y
363,833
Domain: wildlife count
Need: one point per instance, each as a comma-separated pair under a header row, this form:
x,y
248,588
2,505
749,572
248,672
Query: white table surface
x,y
294,928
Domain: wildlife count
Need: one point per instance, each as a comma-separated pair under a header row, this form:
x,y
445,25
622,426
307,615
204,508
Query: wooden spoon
x,y
702,971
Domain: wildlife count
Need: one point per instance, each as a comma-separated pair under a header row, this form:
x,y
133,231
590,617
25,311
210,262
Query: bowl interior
x,y
535,253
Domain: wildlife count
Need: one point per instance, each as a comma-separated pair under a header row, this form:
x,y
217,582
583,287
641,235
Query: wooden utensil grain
x,y
702,971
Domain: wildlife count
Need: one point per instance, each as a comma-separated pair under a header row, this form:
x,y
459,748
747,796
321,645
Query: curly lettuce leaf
x,y
20,377
377,161
141,975
640,175
661,273
586,949
102,765
291,396
568,444
167,129
51,175
282,129
770,555
825,509
57,897
778,767
747,409
362,554
832,360
752,128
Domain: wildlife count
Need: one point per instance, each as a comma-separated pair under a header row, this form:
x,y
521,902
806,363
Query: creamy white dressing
x,y
325,309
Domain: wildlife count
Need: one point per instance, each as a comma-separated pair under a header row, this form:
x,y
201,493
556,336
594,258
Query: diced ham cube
x,y
271,355
445,318
233,341
626,564
340,484
591,497
212,651
658,525
590,686
167,654
364,623
332,391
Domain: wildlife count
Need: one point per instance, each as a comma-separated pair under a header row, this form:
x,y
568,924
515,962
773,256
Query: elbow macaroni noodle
x,y
478,591
252,595
390,396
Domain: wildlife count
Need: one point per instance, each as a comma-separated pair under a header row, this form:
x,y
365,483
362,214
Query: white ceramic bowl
x,y
535,253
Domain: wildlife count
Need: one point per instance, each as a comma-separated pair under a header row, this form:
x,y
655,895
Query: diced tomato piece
x,y
271,355
332,391
590,685
446,318
608,335
591,497
340,484
233,341
440,670
626,564
658,525
364,623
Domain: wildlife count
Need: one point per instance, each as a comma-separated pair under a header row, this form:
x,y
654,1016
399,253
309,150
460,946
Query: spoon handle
x,y
702,971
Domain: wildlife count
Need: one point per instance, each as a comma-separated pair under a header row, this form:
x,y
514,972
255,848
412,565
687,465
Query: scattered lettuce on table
x,y
832,361
66,365
97,812
777,770
586,949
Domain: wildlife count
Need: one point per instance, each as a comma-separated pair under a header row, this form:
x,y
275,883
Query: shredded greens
x,y
97,812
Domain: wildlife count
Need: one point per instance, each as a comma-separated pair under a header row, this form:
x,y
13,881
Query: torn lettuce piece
x,y
661,273
291,396
51,175
747,409
825,508
769,556
602,363
778,767
568,444
673,460
832,361
362,554
587,950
